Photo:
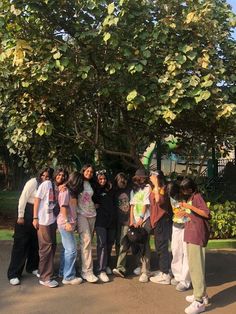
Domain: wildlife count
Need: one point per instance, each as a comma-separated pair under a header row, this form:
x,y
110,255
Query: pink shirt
x,y
64,201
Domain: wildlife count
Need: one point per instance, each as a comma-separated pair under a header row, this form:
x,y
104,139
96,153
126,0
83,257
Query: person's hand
x,y
68,227
62,188
20,221
139,222
36,223
181,214
184,204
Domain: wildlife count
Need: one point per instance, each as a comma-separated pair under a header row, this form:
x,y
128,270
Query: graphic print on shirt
x,y
123,202
139,198
86,202
177,208
51,201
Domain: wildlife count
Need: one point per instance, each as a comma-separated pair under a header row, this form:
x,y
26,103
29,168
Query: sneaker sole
x,y
118,274
161,282
46,285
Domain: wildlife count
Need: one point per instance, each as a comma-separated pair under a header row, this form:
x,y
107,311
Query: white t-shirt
x,y
47,203
139,199
86,205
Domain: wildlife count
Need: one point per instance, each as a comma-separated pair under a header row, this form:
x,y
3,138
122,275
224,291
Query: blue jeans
x,y
68,254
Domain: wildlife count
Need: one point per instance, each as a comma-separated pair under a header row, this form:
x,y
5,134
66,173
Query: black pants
x,y
105,241
25,247
161,237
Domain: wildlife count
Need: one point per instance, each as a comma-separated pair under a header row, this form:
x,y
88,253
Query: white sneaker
x,y
118,272
181,287
90,277
143,278
174,282
195,308
49,283
36,273
74,281
108,270
103,277
14,281
162,278
191,299
137,271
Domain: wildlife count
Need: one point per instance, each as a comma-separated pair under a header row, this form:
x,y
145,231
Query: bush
x,y
223,221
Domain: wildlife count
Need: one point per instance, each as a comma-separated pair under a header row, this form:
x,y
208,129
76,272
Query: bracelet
x,y
66,220
35,218
141,216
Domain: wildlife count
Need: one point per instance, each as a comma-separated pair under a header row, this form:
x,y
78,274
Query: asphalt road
x,y
119,295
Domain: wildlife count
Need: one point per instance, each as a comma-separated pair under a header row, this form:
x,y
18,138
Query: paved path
x,y
119,295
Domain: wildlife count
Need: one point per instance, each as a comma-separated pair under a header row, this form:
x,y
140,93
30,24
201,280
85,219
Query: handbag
x,y
56,208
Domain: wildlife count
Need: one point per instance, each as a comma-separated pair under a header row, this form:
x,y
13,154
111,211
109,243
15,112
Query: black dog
x,y
135,239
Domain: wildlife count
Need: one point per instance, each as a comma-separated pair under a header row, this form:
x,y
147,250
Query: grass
x,y
8,202
6,234
8,205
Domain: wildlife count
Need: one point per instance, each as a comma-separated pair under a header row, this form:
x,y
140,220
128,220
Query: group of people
x,y
88,201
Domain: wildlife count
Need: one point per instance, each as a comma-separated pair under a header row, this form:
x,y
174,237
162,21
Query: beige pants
x,y
85,230
196,260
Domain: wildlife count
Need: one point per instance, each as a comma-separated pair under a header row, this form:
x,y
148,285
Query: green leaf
x,y
111,8
132,95
130,106
106,36
207,83
139,68
147,54
181,59
194,81
186,48
57,55
192,55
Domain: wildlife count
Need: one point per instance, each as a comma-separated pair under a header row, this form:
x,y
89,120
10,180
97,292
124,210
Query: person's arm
x,y
131,220
35,212
64,213
200,203
40,194
28,191
63,200
141,217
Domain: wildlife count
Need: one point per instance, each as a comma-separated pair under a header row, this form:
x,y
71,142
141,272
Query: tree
x,y
110,77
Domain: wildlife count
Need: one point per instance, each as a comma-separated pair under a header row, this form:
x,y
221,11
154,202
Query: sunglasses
x,y
100,172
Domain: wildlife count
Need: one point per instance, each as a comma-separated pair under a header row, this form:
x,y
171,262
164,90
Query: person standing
x,y
140,215
44,221
105,224
196,235
122,199
179,265
161,220
66,220
86,221
25,247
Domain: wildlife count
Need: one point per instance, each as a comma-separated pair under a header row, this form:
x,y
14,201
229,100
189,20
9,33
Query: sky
x,y
233,5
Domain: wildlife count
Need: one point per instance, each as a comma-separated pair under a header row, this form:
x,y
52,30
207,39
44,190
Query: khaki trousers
x,y
85,230
196,260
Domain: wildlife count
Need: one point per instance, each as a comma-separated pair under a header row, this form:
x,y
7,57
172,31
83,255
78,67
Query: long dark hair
x,y
75,184
173,190
138,184
108,186
50,172
65,172
120,181
188,184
